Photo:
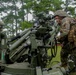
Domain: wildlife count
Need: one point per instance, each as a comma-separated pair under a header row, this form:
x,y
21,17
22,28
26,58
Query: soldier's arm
x,y
65,29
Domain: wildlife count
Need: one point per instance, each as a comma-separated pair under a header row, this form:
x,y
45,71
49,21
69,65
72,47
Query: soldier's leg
x,y
64,55
74,55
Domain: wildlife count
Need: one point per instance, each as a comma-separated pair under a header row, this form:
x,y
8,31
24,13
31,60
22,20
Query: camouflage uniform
x,y
69,44
2,40
63,38
66,47
72,41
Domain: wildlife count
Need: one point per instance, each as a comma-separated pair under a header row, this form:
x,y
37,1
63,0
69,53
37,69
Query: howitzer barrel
x,y
23,35
15,55
21,40
20,34
24,32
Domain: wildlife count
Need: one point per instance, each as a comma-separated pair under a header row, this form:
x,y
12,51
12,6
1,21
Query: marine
x,y
64,21
2,41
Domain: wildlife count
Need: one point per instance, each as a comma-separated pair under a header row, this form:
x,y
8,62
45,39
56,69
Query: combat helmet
x,y
60,13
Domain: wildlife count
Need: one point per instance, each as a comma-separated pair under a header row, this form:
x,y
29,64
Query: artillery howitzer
x,y
28,54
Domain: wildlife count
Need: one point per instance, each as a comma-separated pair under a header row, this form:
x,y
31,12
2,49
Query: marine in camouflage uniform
x,y
72,43
64,21
2,41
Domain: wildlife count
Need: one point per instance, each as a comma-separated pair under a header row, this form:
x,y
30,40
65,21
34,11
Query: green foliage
x,y
56,4
26,24
72,11
17,14
43,5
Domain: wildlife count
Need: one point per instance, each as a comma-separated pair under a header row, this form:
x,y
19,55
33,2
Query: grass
x,y
56,59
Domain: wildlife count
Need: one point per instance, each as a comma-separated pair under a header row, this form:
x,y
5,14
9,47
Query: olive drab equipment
x,y
29,51
27,55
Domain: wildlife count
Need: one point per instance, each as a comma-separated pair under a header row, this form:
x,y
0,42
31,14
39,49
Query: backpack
x,y
72,33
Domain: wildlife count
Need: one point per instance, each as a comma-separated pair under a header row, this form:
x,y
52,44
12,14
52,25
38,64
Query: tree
x,y
16,14
26,24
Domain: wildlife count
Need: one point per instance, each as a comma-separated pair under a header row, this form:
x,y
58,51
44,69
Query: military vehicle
x,y
27,55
